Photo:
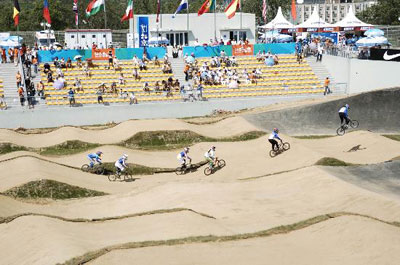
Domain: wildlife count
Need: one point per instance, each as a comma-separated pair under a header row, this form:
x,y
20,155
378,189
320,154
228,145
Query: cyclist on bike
x,y
274,135
94,158
120,164
344,114
210,156
182,156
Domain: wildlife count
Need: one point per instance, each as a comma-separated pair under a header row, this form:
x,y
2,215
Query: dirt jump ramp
x,y
377,111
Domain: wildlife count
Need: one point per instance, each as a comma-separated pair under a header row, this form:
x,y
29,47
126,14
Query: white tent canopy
x,y
279,22
314,21
351,20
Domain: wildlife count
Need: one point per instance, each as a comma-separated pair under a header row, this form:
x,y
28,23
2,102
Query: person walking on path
x,y
326,86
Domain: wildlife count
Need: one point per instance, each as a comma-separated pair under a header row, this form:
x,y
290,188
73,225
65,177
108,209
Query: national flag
x,y
75,9
17,9
94,7
264,11
183,5
46,11
294,15
230,10
158,10
206,7
129,11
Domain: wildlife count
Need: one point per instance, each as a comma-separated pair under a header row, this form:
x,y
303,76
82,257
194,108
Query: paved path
x,y
95,114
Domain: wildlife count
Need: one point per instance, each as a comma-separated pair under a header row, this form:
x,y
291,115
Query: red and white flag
x,y
264,11
158,10
129,11
75,9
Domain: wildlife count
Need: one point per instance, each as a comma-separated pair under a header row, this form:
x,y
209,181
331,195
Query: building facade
x,y
331,11
184,29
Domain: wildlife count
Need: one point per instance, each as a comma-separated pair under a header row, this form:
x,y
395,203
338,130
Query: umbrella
x,y
78,57
9,43
190,59
158,40
57,44
269,61
372,41
374,33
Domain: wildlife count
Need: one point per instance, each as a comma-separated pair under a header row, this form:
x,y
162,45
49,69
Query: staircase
x,y
7,74
178,65
322,73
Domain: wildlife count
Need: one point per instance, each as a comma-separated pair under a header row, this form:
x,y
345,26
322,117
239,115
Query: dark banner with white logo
x,y
385,55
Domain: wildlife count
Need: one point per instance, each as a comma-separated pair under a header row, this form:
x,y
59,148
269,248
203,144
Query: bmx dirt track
x,y
377,111
285,209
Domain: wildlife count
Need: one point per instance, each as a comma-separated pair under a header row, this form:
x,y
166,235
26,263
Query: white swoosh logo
x,y
388,57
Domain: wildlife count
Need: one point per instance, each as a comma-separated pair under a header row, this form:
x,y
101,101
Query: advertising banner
x,y
101,54
385,55
242,50
143,29
333,36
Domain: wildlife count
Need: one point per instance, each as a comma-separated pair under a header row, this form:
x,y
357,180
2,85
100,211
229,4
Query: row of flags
x,y
97,5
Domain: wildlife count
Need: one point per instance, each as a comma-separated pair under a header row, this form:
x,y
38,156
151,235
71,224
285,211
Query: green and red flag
x,y
206,7
94,7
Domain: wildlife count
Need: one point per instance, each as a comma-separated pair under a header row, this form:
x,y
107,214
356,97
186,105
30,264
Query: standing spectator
x,y
319,53
35,65
110,60
186,71
146,87
40,89
122,80
31,97
21,95
99,94
71,97
18,79
132,99
3,105
15,54
326,85
78,84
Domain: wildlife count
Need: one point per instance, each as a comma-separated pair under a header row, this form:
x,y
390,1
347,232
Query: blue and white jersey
x,y
182,154
121,161
344,110
274,135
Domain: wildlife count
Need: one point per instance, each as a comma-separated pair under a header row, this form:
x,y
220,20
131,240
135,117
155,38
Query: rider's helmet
x,y
213,147
125,156
186,149
347,106
99,153
276,130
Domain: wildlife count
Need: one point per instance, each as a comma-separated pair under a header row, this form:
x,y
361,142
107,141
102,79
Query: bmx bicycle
x,y
282,147
96,169
122,176
182,170
218,164
342,129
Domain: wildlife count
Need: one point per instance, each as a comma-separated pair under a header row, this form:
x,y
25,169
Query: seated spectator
x,y
113,88
146,87
156,61
50,77
121,79
144,58
46,68
233,84
69,63
157,87
40,89
234,62
142,65
135,74
102,87
79,62
59,72
3,104
116,63
123,94
62,63
56,62
86,70
276,59
135,61
176,84
78,84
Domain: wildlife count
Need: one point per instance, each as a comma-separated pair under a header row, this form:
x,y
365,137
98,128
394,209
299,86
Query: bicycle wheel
x,y
354,124
221,163
286,146
85,168
99,170
341,131
272,153
179,171
112,177
207,171
128,176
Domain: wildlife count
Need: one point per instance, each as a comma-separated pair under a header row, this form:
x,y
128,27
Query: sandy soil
x,y
240,198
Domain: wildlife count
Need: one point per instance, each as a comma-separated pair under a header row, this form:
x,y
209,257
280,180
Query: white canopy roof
x,y
314,21
351,20
279,22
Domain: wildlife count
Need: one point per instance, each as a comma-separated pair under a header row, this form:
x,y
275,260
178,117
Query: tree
x,y
385,12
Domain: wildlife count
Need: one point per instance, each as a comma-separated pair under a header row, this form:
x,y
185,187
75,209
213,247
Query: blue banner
x,y
332,36
48,56
143,29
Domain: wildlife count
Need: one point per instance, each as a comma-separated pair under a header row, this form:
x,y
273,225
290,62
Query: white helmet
x,y
125,156
186,149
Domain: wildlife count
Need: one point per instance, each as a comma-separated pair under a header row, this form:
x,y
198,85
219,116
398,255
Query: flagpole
x,y
215,19
105,16
241,19
187,18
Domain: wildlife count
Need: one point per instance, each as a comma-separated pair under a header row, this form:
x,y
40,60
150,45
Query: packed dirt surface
x,y
284,210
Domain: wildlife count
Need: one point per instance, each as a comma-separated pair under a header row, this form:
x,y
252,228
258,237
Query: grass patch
x,y
8,148
169,140
67,148
50,189
395,137
310,137
134,169
333,162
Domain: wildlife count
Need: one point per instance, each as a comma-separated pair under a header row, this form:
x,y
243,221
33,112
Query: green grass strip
x,y
67,148
50,189
395,137
332,162
8,148
284,229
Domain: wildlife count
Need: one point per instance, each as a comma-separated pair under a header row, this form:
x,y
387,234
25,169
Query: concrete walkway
x,y
96,114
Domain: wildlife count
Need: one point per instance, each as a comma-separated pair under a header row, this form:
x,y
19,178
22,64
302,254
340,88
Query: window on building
x,y
83,36
104,36
186,39
72,36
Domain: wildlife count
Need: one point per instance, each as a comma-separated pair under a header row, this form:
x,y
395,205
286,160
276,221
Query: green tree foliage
x,y
63,17
385,12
